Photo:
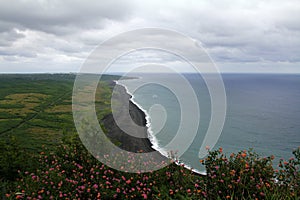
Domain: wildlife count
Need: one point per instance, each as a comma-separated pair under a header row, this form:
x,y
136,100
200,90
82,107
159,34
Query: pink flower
x,y
123,178
95,186
262,194
79,166
144,196
60,184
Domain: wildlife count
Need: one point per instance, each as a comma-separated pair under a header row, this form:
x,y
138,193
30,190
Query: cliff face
x,y
115,134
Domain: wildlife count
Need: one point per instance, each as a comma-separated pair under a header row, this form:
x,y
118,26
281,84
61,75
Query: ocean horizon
x,y
263,113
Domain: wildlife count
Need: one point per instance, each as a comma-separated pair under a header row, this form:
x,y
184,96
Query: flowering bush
x,y
241,175
288,175
247,176
70,172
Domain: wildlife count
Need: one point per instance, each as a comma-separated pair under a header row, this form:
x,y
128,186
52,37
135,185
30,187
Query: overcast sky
x,y
240,36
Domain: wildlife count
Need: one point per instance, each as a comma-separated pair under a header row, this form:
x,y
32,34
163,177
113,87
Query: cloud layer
x,y
57,36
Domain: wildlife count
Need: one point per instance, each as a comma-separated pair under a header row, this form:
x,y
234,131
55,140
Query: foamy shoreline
x,y
152,139
150,135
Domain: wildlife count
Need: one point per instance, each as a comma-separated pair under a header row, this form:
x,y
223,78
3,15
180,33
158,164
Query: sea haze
x,y
263,113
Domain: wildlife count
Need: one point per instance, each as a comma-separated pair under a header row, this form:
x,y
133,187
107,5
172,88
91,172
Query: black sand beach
x,y
126,141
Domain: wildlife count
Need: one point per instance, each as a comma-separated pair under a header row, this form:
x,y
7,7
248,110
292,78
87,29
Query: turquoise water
x,y
263,113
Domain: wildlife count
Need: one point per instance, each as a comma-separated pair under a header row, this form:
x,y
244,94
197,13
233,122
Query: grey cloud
x,y
12,53
255,40
7,38
61,17
274,45
5,26
243,31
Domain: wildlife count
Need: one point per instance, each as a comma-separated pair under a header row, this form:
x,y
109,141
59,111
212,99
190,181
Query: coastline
x,y
124,140
136,110
153,141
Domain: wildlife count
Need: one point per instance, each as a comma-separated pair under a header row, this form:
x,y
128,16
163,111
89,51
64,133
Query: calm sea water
x,y
263,113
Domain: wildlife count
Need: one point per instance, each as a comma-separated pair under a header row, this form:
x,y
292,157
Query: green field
x,y
37,108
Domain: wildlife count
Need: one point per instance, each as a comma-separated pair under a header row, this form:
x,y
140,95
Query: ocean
x,y
262,112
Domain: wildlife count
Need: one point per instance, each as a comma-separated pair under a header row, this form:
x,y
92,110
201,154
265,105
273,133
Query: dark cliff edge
x,y
124,140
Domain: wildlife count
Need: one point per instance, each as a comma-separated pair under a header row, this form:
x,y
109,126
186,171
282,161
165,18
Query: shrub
x,y
247,176
71,172
242,175
288,175
13,158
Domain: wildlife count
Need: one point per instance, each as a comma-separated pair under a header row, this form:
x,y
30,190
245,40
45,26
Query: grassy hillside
x,y
37,109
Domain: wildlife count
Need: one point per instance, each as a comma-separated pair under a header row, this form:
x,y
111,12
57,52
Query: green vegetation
x,y
36,109
247,176
70,172
41,156
24,100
